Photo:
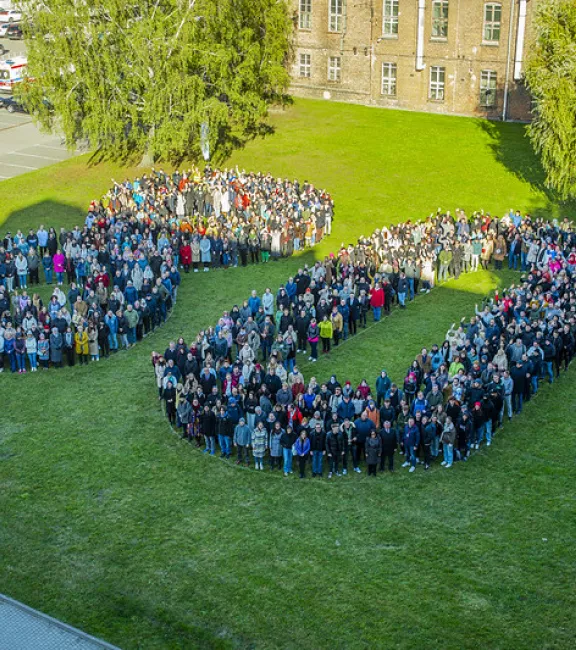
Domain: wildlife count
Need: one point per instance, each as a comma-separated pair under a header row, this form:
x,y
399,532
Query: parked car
x,y
11,105
10,16
4,29
14,32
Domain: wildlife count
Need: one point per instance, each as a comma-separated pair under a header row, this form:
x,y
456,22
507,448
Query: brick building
x,y
444,56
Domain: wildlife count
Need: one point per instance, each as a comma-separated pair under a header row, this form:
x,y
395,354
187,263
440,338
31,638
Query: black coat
x,y
389,442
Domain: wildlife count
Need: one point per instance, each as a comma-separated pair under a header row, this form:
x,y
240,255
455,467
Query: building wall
x,y
362,49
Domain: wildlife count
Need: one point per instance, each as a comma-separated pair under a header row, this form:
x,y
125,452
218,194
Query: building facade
x,y
461,57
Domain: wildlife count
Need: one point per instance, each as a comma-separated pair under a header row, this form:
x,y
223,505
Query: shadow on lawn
x,y
48,213
512,148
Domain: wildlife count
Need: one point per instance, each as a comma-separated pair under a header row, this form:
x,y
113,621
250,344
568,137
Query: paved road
x,y
22,147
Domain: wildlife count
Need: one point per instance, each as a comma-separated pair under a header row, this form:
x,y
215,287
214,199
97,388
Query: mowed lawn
x,y
110,522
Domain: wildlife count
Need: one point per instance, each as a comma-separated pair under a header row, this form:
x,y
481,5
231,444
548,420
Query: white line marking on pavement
x,y
32,155
47,146
14,165
5,177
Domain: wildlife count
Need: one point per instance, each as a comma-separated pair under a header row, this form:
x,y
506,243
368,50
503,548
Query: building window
x,y
335,69
305,66
390,18
440,19
488,88
492,22
305,14
335,15
437,77
389,79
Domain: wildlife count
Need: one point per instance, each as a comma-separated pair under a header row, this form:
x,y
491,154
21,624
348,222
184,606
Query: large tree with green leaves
x,y
147,77
551,77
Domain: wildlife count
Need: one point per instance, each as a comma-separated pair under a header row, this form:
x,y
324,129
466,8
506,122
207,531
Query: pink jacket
x,y
59,262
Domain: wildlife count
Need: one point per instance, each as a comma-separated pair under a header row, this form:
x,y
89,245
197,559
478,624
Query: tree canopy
x,y
147,77
551,77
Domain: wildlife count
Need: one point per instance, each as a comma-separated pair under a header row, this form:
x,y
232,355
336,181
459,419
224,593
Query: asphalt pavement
x,y
23,148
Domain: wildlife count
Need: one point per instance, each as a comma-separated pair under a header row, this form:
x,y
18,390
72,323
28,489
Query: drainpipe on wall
x,y
420,38
507,82
520,40
344,25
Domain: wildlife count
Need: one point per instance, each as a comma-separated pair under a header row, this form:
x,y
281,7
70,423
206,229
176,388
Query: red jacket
x,y
377,298
186,254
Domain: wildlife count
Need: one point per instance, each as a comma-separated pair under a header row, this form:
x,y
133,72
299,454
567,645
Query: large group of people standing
x,y
116,278
238,387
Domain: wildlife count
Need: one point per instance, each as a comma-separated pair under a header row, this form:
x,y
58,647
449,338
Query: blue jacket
x,y
411,436
346,410
302,448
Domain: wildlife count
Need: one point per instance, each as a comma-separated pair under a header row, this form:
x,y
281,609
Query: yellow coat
x,y
81,342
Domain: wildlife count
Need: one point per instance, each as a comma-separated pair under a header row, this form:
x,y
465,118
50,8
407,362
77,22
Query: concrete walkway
x,y
23,148
23,628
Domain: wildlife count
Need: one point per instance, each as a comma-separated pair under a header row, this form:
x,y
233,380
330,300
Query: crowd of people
x,y
238,386
116,278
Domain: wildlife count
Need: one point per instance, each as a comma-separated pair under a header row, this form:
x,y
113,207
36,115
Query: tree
x,y
147,77
551,77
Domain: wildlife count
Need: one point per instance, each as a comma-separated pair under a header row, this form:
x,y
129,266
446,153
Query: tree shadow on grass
x,y
512,149
48,213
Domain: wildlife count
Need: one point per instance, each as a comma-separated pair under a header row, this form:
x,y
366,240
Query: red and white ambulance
x,y
12,72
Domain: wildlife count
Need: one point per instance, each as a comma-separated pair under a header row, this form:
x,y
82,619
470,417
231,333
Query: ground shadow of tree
x,y
514,151
227,142
47,212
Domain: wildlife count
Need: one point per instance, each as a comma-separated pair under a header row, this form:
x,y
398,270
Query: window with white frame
x,y
334,69
305,14
488,88
492,22
437,80
305,66
440,19
389,72
390,18
335,15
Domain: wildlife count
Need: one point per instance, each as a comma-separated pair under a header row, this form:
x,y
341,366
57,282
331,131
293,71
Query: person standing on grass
x,y
276,446
224,432
208,429
302,449
388,436
32,350
259,445
377,301
410,440
326,333
373,449
287,440
335,448
82,345
318,449
242,442
56,345
363,429
313,338
429,431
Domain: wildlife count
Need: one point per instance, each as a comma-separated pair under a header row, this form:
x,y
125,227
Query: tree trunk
x,y
147,159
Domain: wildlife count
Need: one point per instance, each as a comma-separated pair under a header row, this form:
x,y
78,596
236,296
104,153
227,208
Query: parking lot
x,y
23,148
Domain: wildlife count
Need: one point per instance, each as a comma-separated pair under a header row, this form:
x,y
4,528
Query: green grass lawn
x,y
109,521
